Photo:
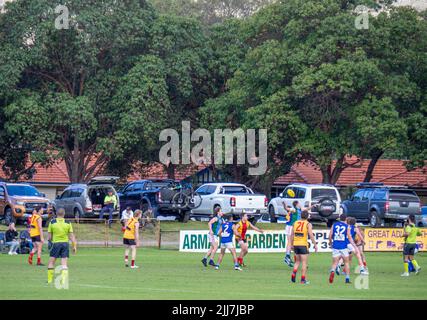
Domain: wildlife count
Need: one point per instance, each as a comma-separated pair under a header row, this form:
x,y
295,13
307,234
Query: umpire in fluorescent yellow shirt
x,y
60,232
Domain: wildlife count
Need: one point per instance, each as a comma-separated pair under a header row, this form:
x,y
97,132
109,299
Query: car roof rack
x,y
378,185
370,184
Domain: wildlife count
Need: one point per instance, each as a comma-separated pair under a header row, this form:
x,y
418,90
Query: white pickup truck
x,y
231,198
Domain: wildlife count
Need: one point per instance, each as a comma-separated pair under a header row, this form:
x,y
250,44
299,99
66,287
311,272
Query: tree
x,y
64,81
210,11
332,78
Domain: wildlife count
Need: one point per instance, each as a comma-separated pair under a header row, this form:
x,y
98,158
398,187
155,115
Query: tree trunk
x,y
170,169
375,156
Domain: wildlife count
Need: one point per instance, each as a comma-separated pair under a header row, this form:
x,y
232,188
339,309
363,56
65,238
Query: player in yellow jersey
x,y
36,234
301,230
241,229
60,232
131,238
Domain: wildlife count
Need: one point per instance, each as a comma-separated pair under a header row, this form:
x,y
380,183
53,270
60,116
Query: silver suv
x,y
325,199
87,200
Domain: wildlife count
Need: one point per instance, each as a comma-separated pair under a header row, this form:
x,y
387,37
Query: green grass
x,y
167,274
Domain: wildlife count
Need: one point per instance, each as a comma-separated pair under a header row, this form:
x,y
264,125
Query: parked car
x,y
325,199
86,200
18,200
423,222
156,195
231,198
378,204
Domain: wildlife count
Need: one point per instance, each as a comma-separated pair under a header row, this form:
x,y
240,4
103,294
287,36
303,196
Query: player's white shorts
x,y
340,253
288,230
350,248
214,240
227,245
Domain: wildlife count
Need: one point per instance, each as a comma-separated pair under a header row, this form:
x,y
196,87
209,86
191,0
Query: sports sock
x,y
415,264
50,273
295,270
406,267
347,276
126,259
39,260
364,263
64,276
302,278
133,263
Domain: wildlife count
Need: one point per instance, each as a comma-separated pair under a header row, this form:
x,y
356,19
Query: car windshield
x,y
23,191
323,193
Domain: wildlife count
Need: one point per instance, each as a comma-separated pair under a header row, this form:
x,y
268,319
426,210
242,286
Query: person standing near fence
x,y
60,232
110,203
410,233
36,234
131,238
214,227
127,214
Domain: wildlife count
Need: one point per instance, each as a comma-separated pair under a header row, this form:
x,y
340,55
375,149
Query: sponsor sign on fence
x,y
390,239
269,242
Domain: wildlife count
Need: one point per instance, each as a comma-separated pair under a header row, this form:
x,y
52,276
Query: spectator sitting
x,y
110,203
12,239
26,244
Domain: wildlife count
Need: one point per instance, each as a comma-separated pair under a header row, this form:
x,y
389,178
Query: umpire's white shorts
x,y
336,253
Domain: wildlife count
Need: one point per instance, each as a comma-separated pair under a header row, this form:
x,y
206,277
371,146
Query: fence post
x,y
159,235
106,233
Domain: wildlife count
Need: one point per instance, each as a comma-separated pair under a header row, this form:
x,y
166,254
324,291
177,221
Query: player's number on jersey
x,y
299,226
339,233
225,233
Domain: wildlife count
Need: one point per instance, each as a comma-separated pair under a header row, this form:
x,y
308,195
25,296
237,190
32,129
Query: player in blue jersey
x,y
228,230
339,238
214,227
358,238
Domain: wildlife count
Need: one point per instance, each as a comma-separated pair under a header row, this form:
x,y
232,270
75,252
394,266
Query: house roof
x,y
392,172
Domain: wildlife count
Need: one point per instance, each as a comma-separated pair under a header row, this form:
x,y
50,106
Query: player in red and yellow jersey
x,y
241,229
301,230
36,234
131,238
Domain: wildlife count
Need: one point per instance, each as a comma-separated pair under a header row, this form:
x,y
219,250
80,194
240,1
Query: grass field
x,y
168,274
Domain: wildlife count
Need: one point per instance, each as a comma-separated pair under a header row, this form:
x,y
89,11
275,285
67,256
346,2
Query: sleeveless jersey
x,y
242,228
227,232
300,231
130,229
217,225
34,225
339,235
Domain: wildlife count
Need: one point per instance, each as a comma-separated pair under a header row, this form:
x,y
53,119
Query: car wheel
x,y
8,217
77,215
326,207
374,220
185,216
273,218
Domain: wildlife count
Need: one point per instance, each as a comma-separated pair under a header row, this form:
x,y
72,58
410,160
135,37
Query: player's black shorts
x,y
36,239
409,249
129,242
60,250
300,250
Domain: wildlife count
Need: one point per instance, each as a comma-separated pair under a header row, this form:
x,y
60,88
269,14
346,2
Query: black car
x,y
379,204
155,195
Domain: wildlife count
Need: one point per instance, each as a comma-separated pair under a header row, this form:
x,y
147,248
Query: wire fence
x,y
102,233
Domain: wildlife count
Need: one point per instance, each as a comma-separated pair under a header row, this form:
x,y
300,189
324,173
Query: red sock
x,y
133,263
295,271
38,260
31,255
302,278
240,260
364,263
126,258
